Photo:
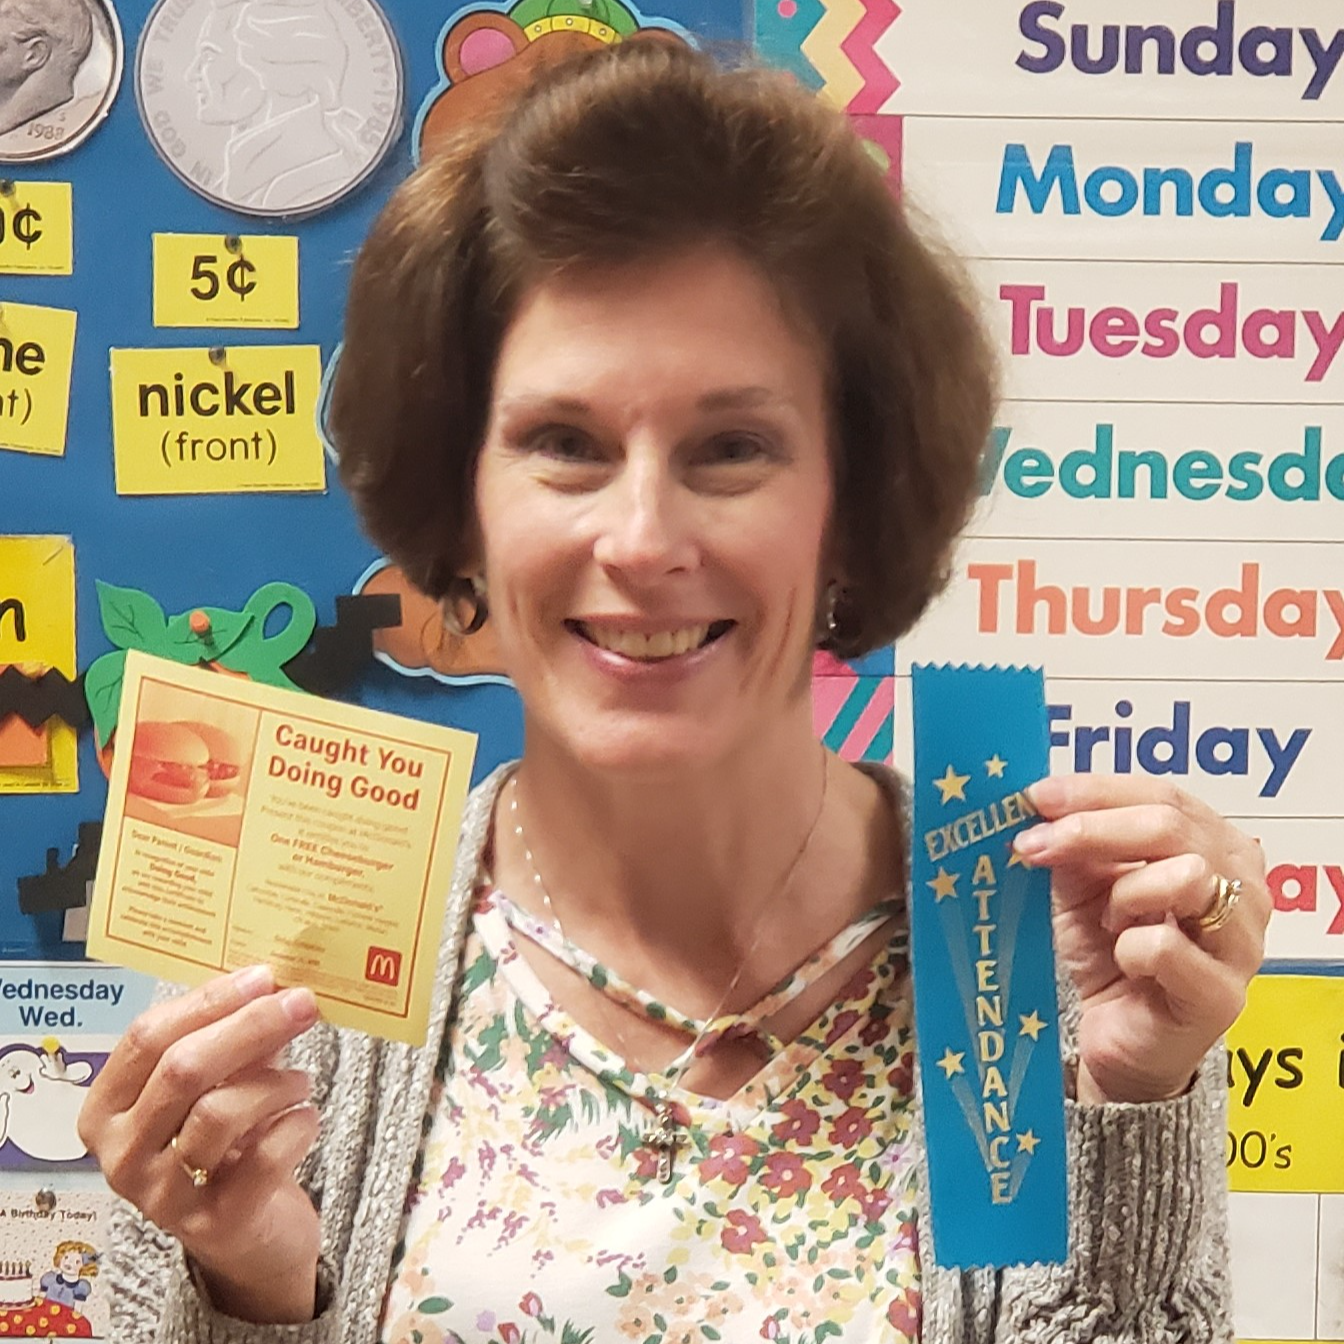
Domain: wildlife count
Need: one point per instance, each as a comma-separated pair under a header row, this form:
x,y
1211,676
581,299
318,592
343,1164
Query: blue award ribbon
x,y
986,1009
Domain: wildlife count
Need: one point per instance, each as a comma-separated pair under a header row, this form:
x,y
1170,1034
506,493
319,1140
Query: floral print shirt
x,y
536,1213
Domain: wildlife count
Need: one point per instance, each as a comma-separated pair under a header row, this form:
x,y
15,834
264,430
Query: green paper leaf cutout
x,y
102,689
132,619
226,629
262,657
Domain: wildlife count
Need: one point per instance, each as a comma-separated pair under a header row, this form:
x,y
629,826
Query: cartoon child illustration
x,y
76,1262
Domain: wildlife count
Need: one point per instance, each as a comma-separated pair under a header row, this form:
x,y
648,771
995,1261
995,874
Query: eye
x,y
736,448
564,443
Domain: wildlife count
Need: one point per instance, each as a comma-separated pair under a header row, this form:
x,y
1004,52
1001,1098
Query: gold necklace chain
x,y
664,1135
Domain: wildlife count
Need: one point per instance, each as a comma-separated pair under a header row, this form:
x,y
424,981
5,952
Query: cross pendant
x,y
664,1135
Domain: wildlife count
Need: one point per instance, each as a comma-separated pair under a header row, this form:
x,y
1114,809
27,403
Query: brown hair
x,y
632,152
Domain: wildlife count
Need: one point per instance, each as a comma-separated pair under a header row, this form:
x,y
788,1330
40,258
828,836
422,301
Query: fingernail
x,y
253,980
299,1004
1033,841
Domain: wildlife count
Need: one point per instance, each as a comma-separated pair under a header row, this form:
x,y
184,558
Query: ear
x,y
36,53
480,42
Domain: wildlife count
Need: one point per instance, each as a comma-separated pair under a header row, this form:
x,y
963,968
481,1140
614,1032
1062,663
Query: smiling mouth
x,y
651,648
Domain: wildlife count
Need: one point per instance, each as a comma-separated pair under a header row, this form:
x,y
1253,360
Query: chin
x,y
651,748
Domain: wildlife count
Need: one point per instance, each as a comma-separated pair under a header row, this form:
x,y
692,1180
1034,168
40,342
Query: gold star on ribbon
x,y
952,785
1026,1143
1015,860
951,1062
945,884
996,765
1032,1025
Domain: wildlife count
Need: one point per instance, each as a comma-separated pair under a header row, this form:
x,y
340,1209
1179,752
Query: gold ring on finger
x,y
1226,894
198,1176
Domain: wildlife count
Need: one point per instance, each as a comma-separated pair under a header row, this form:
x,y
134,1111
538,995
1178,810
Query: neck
x,y
685,860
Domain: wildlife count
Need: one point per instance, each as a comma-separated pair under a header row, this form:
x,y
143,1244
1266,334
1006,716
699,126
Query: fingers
x,y
138,1053
1058,795
284,1143
1114,835
197,1064
1182,887
1201,989
223,1120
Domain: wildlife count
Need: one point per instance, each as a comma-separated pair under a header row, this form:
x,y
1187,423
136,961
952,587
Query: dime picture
x,y
60,66
274,108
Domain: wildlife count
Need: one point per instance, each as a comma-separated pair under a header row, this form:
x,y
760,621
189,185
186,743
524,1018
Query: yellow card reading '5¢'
x,y
37,354
250,824
37,229
200,421
212,280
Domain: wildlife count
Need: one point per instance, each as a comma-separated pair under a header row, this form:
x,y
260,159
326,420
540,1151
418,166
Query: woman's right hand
x,y
202,1069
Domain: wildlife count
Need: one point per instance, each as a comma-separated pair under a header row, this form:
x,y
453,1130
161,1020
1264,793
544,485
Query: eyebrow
x,y
721,399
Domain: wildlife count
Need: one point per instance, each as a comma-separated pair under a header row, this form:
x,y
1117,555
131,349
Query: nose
x,y
647,520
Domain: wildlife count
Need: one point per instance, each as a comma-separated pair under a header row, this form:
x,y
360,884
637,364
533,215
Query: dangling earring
x,y
827,623
464,594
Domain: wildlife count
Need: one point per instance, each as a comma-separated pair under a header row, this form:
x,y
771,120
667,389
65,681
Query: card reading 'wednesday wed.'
x,y
250,824
986,1011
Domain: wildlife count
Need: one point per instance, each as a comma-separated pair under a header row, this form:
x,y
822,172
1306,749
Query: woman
x,y
655,373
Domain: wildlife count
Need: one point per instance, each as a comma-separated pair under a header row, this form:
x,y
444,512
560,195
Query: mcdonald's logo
x,y
383,966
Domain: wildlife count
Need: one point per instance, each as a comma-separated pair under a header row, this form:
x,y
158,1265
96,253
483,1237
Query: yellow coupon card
x,y
37,634
213,280
1285,1069
204,422
37,354
37,230
250,824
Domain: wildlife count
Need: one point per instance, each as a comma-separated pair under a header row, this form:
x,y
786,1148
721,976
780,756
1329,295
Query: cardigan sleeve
x,y
1148,1259
154,1296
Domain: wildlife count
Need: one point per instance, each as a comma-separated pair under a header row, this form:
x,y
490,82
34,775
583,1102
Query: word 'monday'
x,y
1112,190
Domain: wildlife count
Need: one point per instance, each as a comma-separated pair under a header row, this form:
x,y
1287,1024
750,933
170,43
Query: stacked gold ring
x,y
1226,894
198,1176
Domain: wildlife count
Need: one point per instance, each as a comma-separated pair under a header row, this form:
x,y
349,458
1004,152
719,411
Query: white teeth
x,y
663,644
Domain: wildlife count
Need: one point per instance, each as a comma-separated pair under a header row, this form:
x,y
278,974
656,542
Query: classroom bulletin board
x,y
1151,199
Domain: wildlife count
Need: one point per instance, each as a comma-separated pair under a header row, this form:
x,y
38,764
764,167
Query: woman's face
x,y
653,495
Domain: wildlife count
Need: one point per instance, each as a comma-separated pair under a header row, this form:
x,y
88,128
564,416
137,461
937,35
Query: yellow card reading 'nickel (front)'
x,y
201,421
249,824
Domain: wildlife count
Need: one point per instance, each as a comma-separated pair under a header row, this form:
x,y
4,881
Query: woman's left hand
x,y
1135,863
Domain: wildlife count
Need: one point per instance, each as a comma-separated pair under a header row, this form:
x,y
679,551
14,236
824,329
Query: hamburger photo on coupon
x,y
224,768
182,762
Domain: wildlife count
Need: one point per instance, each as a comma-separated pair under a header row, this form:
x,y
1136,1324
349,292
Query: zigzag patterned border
x,y
879,80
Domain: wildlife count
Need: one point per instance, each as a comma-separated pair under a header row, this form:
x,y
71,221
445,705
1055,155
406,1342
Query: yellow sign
x,y
37,634
204,422
1285,1068
37,354
37,230
250,824
209,280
